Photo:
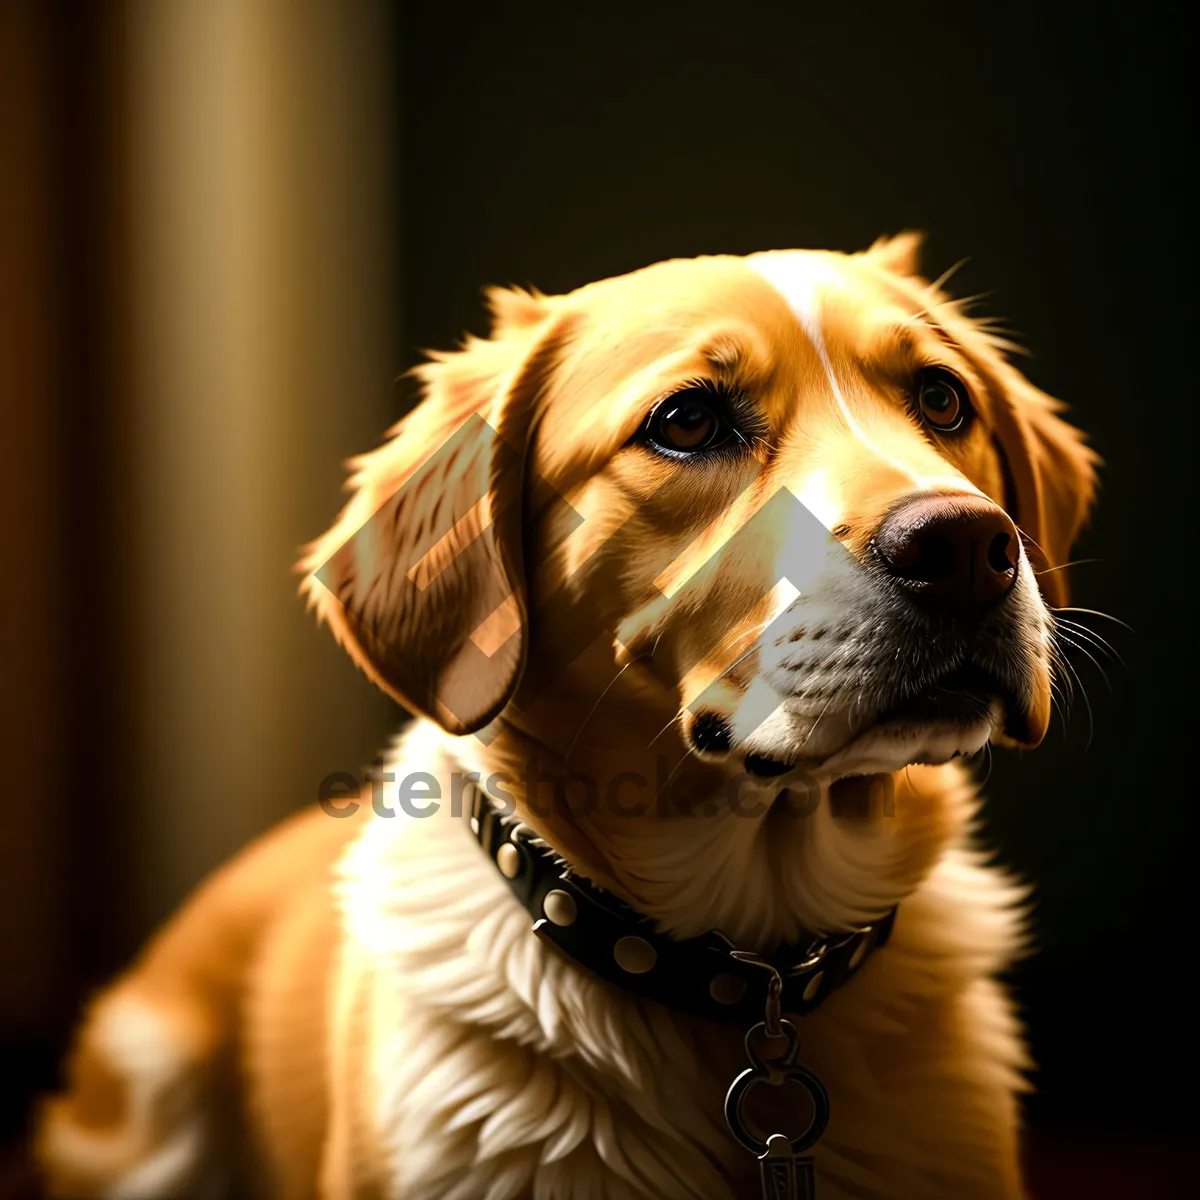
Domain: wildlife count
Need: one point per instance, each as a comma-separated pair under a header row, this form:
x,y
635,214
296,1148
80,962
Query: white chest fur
x,y
500,1070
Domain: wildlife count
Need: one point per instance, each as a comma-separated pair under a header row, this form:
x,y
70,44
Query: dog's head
x,y
800,496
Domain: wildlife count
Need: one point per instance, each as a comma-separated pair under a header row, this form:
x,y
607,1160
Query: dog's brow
x,y
893,346
931,322
724,354
902,339
734,365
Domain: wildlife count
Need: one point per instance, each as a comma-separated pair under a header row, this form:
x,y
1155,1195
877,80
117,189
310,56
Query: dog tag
x,y
787,1173
784,1176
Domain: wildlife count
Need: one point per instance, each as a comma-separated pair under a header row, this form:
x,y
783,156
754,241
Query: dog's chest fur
x,y
498,1069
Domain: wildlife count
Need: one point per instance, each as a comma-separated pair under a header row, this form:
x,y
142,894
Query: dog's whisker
x,y
737,662
1025,536
592,713
1078,562
1060,661
1091,657
688,752
1091,636
1057,708
732,666
1060,674
1092,612
808,737
1093,639
737,637
1087,702
978,704
1058,698
665,728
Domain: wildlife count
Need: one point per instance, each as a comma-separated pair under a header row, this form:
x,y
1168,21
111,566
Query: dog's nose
x,y
954,552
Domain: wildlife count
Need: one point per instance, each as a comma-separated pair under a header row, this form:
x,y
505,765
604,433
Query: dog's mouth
x,y
964,695
952,717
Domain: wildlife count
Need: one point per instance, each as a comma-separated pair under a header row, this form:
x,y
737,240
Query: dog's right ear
x,y
422,578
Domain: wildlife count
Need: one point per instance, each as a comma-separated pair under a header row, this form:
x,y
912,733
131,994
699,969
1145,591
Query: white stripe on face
x,y
798,277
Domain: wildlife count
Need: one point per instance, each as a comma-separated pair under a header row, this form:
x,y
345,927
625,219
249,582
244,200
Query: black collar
x,y
704,976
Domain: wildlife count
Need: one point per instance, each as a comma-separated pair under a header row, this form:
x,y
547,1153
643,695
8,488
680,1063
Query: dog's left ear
x,y
1053,473
422,578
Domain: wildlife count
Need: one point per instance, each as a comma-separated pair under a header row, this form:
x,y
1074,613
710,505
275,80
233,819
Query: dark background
x,y
551,145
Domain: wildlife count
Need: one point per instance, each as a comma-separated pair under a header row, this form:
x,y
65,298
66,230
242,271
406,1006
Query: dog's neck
x,y
696,846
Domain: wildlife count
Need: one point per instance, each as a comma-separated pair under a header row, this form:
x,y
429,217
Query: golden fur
x,y
367,992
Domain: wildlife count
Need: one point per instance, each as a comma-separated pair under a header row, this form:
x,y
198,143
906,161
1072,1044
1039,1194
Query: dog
x,y
702,583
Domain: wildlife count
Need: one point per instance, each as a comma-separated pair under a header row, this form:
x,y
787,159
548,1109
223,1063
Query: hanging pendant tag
x,y
784,1176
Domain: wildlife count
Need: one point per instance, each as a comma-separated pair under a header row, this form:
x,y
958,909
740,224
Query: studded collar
x,y
704,976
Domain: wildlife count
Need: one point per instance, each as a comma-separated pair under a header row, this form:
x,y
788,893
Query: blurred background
x,y
227,228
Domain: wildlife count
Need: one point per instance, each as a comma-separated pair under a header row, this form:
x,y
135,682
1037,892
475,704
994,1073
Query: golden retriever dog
x,y
702,583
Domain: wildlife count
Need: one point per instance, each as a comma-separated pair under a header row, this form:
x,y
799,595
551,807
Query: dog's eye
x,y
688,422
941,399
